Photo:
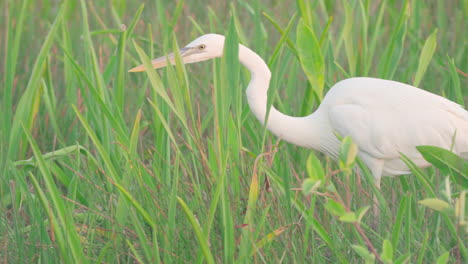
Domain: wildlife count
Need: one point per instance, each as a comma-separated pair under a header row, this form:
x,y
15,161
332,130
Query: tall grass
x,y
99,165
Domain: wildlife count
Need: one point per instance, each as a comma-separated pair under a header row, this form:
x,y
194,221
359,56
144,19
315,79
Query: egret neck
x,y
297,130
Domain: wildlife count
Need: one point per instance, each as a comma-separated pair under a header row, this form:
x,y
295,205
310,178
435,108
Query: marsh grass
x,y
99,165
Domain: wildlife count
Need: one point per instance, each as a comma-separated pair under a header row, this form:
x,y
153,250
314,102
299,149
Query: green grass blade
x,y
11,60
203,243
426,56
23,114
148,219
420,175
157,84
66,221
394,50
348,38
99,146
186,131
399,219
456,87
284,33
136,254
311,58
120,72
92,59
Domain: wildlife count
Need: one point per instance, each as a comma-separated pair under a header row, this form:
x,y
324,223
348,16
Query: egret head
x,y
205,47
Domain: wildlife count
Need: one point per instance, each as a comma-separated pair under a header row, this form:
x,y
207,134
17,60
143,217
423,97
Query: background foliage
x,y
99,165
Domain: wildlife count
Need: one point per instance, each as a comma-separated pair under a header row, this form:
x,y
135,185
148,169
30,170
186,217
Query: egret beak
x,y
162,61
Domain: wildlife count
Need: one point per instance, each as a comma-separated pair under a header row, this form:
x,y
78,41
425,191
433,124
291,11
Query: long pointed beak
x,y
160,62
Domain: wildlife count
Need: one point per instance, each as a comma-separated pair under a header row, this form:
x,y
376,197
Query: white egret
x,y
384,118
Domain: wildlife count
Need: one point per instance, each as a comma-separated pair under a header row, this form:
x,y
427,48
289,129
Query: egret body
x,y
384,118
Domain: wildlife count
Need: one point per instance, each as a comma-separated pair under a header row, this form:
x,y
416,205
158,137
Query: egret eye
x,y
202,47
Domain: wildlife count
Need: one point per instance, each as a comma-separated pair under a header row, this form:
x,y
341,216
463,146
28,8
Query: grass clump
x,y
99,165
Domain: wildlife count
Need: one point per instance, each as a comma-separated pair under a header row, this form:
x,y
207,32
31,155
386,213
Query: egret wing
x,y
394,118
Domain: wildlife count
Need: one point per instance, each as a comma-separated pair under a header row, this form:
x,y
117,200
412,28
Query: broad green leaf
x,y
310,185
311,58
348,153
314,168
335,208
443,259
435,204
364,253
348,217
425,57
387,252
448,162
361,212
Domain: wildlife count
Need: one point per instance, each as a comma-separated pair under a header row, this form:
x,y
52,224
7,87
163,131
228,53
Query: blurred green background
x,y
99,165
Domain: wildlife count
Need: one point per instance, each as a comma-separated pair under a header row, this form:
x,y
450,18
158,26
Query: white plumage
x,y
384,118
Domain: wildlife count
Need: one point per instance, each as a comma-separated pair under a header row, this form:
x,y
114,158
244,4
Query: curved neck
x,y
296,130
